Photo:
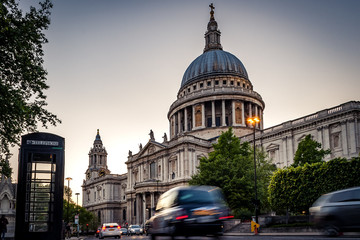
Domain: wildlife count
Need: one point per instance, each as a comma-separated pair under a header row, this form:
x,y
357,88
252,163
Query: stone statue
x,y
165,137
151,135
140,146
130,153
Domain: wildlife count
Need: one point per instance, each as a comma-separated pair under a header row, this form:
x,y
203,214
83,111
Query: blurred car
x,y
146,228
97,232
135,230
124,231
190,211
110,230
337,212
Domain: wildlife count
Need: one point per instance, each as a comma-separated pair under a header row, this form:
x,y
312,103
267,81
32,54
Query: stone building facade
x,y
103,193
7,202
337,129
215,94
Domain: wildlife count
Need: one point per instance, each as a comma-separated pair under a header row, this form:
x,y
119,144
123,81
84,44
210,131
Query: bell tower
x,y
97,160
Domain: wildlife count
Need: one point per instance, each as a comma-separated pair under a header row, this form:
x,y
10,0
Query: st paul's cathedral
x,y
215,94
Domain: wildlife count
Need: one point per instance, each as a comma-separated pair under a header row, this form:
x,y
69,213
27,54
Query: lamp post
x,y
67,212
77,206
253,121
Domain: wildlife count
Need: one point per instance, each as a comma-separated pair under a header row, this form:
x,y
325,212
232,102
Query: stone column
x,y
181,159
144,207
188,159
284,152
185,120
326,141
128,212
257,114
203,115
193,117
179,122
223,120
213,124
152,206
243,113
250,110
320,135
352,136
344,138
290,145
233,113
137,197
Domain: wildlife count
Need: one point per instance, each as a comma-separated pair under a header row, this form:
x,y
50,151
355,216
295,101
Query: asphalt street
x,y
242,237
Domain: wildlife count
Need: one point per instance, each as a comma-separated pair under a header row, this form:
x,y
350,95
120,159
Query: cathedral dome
x,y
214,62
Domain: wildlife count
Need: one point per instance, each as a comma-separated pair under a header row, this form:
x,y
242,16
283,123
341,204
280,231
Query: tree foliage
x,y
231,167
85,217
296,188
6,170
309,151
22,75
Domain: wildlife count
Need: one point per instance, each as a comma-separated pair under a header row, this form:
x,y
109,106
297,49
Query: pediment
x,y
150,148
302,137
272,146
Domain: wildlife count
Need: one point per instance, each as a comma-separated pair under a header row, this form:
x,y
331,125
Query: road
x,y
249,237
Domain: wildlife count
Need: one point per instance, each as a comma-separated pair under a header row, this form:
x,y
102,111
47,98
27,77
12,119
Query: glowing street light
x,y
253,121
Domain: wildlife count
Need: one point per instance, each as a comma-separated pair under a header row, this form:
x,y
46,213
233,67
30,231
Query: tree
x,y
296,188
231,167
6,170
85,216
22,75
309,151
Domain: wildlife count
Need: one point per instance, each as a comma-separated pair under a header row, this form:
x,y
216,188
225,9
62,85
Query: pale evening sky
x,y
117,65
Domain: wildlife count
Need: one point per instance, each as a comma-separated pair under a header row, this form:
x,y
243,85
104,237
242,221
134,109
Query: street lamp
x,y
67,213
77,206
253,121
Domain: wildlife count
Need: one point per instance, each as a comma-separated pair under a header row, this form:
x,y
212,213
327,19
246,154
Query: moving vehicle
x,y
110,230
189,211
124,231
337,212
135,230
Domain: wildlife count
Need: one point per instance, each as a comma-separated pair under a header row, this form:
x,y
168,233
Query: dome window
x,y
201,85
194,87
188,89
224,82
238,83
243,85
209,83
217,82
232,83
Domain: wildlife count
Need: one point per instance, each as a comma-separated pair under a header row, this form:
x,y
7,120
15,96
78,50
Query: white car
x,y
135,230
110,230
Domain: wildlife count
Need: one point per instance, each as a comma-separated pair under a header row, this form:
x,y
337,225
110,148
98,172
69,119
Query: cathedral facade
x,y
215,94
